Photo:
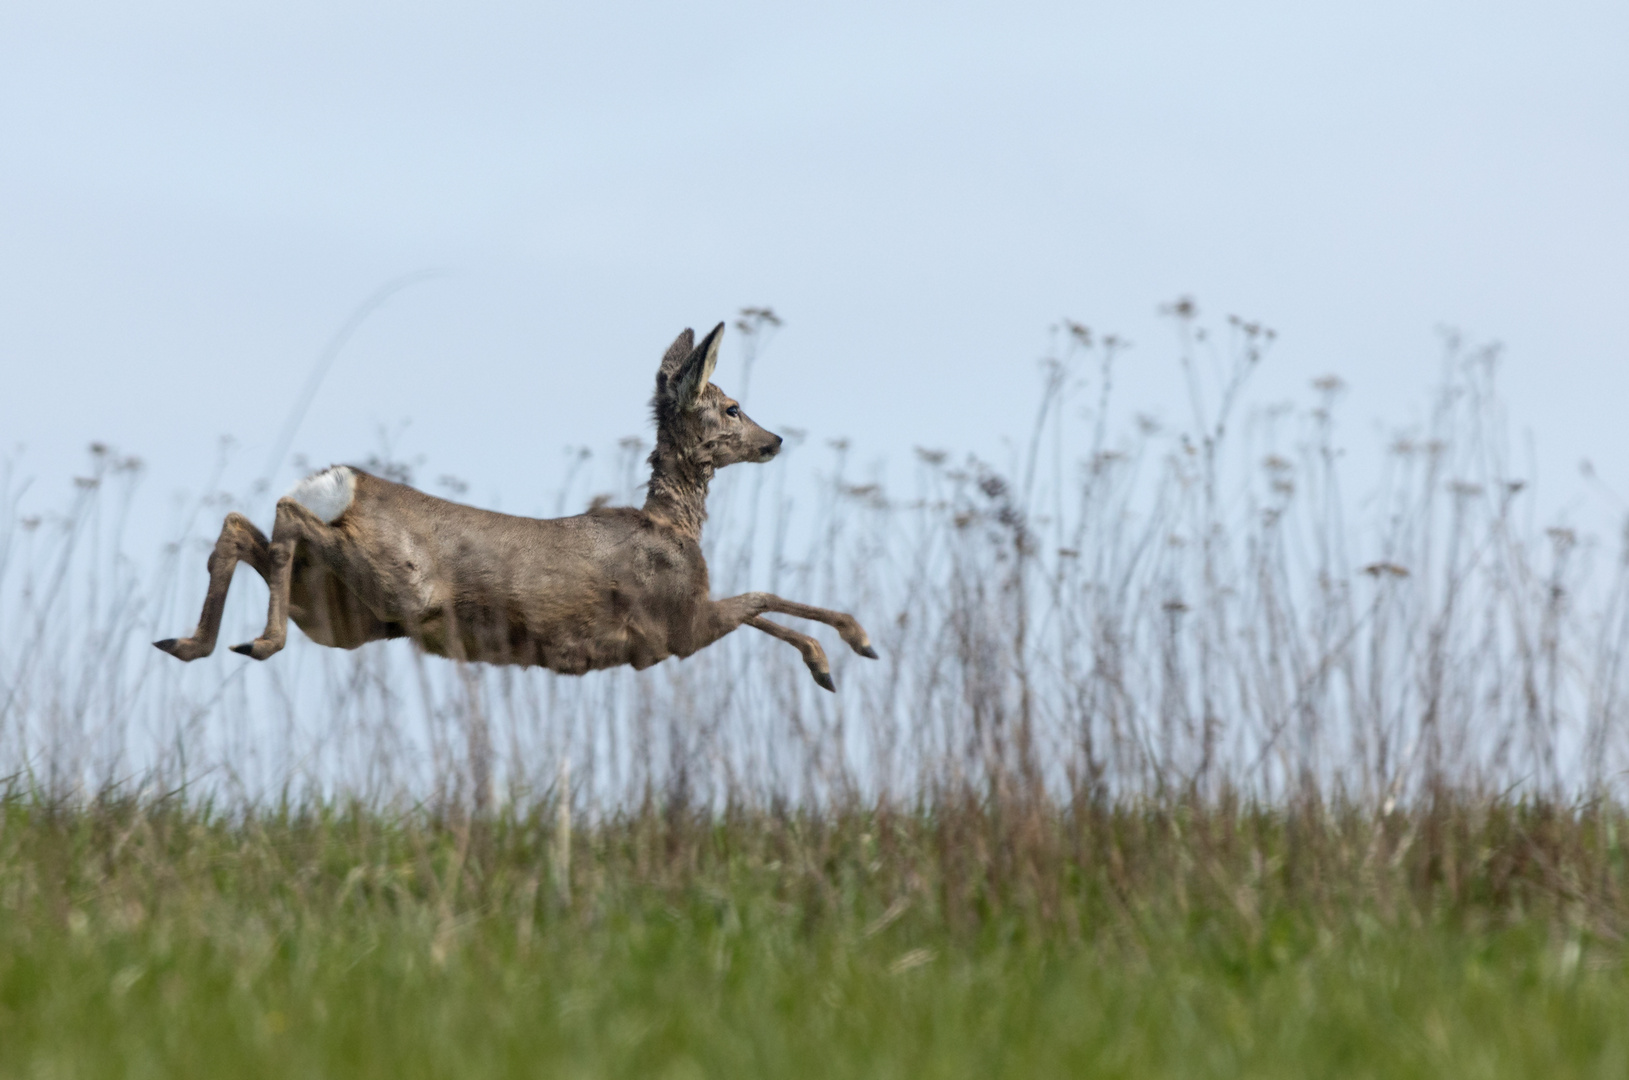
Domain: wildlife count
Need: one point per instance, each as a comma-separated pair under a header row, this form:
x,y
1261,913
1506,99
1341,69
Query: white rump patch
x,y
327,494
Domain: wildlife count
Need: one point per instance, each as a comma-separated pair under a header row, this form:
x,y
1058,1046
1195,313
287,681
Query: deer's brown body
x,y
355,558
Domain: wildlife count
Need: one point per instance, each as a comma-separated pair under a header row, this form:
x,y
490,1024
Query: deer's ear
x,y
676,354
697,370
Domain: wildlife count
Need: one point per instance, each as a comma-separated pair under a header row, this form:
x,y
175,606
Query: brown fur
x,y
610,587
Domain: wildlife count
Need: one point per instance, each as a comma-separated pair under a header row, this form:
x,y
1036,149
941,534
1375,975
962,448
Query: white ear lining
x,y
711,361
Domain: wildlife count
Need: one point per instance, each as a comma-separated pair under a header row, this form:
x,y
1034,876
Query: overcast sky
x,y
193,197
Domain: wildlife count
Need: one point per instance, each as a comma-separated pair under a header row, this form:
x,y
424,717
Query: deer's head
x,y
697,420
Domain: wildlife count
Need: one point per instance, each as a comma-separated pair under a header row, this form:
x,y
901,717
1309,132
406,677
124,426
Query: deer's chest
x,y
656,597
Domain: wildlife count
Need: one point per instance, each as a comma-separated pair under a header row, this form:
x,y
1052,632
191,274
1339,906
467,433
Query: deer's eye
x,y
733,411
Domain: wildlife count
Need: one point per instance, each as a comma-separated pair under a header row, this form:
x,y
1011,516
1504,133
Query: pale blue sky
x,y
193,197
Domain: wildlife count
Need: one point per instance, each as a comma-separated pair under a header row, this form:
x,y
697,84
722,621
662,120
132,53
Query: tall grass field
x,y
1188,754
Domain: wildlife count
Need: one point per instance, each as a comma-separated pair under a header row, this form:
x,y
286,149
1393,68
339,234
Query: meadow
x,y
1221,941
1179,761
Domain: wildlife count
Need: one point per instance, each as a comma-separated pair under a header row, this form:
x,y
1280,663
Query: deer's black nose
x,y
771,448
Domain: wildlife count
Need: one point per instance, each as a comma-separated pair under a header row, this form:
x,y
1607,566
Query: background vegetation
x,y
1179,760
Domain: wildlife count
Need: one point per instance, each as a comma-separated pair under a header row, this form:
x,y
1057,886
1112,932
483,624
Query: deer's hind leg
x,y
321,604
239,542
294,525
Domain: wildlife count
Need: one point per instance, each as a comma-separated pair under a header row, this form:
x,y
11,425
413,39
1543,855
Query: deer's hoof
x,y
824,679
258,649
855,637
180,648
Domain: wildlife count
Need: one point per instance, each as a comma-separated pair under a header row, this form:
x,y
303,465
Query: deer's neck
x,y
677,493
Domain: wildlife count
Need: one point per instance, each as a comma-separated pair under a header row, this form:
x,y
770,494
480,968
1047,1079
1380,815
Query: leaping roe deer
x,y
355,558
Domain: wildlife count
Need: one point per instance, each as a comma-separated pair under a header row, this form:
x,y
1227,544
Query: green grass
x,y
168,942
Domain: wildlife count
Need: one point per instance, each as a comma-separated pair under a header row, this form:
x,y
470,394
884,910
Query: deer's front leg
x,y
847,626
726,615
813,654
239,541
723,616
294,523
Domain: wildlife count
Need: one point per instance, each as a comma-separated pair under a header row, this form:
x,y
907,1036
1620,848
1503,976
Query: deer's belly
x,y
570,642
